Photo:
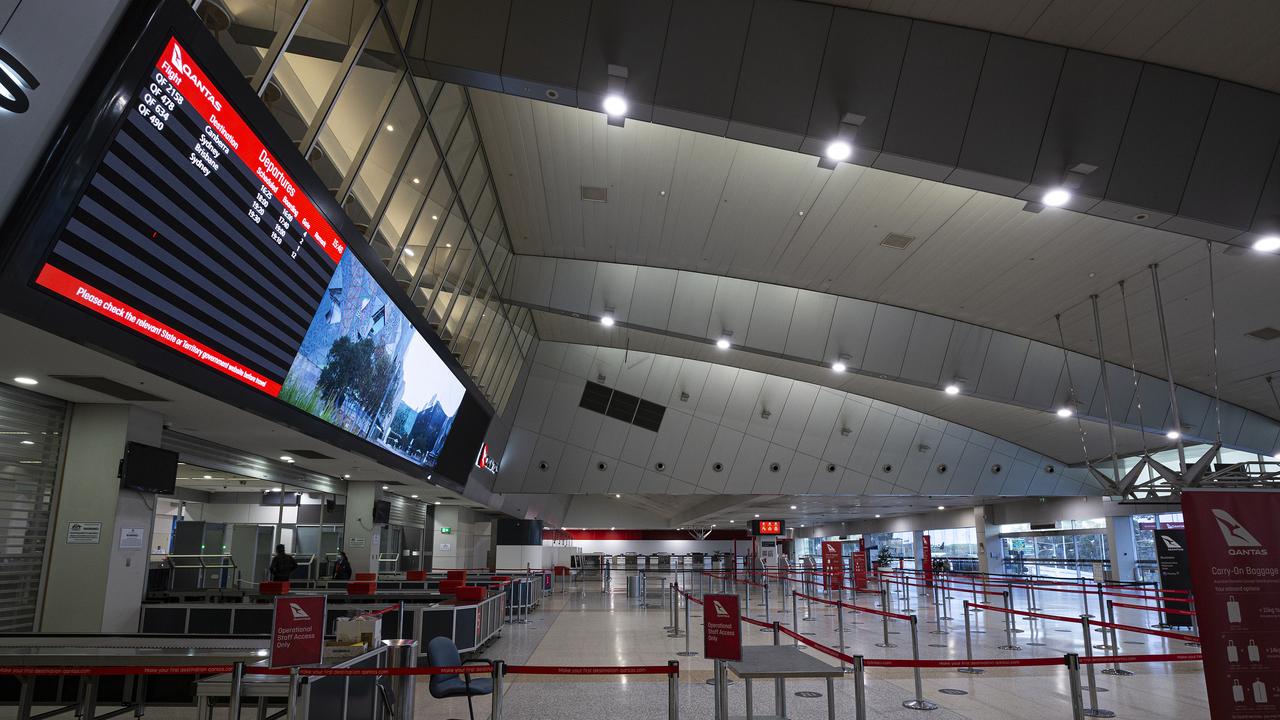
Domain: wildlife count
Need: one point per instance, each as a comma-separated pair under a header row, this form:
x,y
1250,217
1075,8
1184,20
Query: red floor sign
x,y
721,628
297,630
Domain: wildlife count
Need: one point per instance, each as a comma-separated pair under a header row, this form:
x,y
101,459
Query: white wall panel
x,y
691,306
571,289
810,325
613,434
567,477
532,280
927,348
613,288
769,482
771,317
731,309
716,392
743,469
887,346
652,298
697,443
818,426
850,328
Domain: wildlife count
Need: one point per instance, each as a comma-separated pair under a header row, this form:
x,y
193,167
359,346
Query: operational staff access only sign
x,y
297,630
721,628
1234,542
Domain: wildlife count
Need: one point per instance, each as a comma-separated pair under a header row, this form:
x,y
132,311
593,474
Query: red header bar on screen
x,y
181,70
108,307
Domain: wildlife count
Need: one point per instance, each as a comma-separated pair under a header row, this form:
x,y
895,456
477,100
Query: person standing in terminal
x,y
342,567
282,565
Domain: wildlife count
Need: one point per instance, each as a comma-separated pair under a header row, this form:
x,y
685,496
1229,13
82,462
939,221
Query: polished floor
x,y
589,625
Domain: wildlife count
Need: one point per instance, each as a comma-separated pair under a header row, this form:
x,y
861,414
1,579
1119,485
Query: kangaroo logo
x,y
298,612
14,76
1239,540
1170,543
720,609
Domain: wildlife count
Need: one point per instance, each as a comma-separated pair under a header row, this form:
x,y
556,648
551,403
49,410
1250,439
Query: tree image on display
x,y
364,367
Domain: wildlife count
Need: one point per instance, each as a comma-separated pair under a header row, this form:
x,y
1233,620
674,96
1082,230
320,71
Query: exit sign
x,y
446,531
769,527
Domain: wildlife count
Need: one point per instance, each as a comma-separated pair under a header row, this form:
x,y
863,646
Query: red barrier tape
x,y
1171,657
856,608
385,610
817,646
32,671
758,623
1146,631
24,671
979,662
596,670
1025,613
1171,611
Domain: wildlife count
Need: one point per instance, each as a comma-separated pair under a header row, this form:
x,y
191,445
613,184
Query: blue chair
x,y
441,652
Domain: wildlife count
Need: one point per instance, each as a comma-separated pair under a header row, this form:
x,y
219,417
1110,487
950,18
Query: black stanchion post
x,y
673,690
918,702
968,644
859,689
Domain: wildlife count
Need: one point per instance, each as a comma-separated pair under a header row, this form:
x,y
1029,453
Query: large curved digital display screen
x,y
192,233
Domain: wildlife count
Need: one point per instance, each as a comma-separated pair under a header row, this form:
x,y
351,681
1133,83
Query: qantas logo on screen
x,y
1170,543
1239,539
176,60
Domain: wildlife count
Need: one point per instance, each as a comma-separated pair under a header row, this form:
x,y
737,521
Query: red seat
x,y
360,587
273,587
449,587
366,577
469,593
415,575
459,575
500,578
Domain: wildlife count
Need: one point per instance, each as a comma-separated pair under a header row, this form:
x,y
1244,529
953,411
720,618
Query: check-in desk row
x,y
324,698
420,616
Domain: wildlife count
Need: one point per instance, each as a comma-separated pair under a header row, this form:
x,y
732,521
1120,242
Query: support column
x,y
1120,548
917,548
990,549
361,537
444,539
98,586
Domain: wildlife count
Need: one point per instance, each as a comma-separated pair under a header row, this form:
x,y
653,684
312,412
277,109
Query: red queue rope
x,y
917,571
757,623
1170,657
1146,631
855,608
85,671
1171,611
669,670
1024,613
1054,585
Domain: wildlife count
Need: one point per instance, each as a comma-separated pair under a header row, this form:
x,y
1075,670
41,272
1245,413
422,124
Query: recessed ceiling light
x,y
1270,243
435,217
1173,434
415,497
1065,412
408,251
942,507
208,477
391,128
713,524
606,320
416,181
877,516
793,507
347,475
618,496
386,487
839,366
23,380
757,514
448,245
732,521
1057,197
286,458
723,343
437,502
615,105
29,442
952,389
839,150
611,527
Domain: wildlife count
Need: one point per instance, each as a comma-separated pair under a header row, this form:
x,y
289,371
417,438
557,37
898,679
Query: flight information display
x,y
192,234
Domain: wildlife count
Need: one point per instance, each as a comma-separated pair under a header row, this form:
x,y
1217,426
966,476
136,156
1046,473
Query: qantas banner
x,y
926,556
1175,572
297,631
721,628
832,560
1234,544
858,566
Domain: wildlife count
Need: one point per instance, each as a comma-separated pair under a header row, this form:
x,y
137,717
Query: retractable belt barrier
x,y
1171,611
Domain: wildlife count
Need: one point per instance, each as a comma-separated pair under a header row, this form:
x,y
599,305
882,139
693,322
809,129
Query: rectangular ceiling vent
x,y
309,454
595,194
1266,333
110,387
622,406
897,241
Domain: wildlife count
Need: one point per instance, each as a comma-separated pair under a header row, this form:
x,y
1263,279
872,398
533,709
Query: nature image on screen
x,y
364,368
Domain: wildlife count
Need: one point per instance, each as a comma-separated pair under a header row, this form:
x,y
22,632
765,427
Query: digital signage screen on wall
x,y
180,215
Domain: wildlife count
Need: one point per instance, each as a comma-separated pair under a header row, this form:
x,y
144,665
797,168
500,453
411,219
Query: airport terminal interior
x,y
485,359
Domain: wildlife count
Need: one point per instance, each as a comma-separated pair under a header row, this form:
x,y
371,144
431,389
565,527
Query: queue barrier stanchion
x,y
688,628
233,697
1008,626
1093,710
1115,668
884,618
840,631
294,682
795,615
673,691
498,671
859,689
918,702
1073,679
968,645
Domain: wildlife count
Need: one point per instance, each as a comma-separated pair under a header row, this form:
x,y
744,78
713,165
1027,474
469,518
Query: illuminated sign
x,y
446,531
14,76
769,527
484,462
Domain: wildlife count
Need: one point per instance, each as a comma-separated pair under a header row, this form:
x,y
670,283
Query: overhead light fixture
x,y
840,149
391,128
347,476
732,521
435,217
942,507
611,527
448,245
416,181
841,364
1270,243
208,477
1173,434
757,514
725,340
23,380
386,487
618,496
1065,412
615,99
1071,181
793,507
437,502
30,442
415,497
952,389
408,251
286,458
877,516
607,319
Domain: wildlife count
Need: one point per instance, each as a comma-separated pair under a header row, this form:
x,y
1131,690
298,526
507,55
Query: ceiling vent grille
x,y
897,241
595,194
622,406
1266,333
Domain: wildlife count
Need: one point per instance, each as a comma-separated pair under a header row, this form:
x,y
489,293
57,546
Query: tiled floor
x,y
585,626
